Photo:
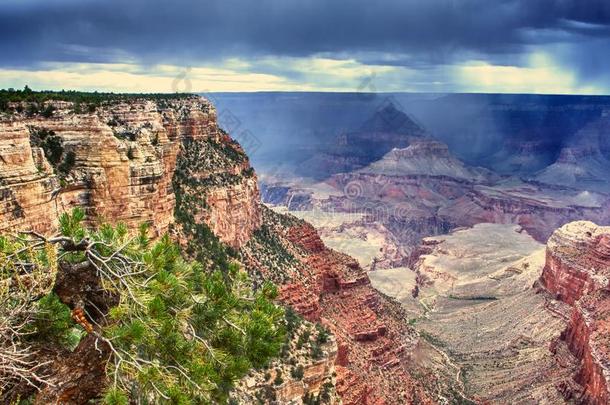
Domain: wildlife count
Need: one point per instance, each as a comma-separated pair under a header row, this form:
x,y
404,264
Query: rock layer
x,y
577,272
373,337
124,161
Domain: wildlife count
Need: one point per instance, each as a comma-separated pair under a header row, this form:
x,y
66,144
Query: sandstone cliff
x,y
577,272
166,162
161,161
118,163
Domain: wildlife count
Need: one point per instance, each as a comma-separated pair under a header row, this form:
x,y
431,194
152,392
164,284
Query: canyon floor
x,y
483,326
461,244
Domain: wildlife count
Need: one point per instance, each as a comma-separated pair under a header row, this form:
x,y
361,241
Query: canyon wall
x,y
157,160
375,342
577,272
116,162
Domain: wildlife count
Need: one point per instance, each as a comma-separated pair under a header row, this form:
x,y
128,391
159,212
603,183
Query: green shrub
x,y
115,397
323,334
48,111
297,372
32,109
53,322
77,108
316,351
67,164
278,378
293,321
53,149
303,338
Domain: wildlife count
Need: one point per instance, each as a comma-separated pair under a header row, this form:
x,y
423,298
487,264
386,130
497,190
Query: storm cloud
x,y
420,35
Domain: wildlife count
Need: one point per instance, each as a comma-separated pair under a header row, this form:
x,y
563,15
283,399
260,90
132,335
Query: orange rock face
x,y
577,272
25,186
588,337
124,160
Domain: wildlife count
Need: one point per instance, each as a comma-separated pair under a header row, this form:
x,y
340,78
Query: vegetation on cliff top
x,y
53,148
176,331
79,97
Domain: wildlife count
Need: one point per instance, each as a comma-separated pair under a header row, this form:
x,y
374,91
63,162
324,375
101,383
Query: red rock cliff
x,y
577,272
373,337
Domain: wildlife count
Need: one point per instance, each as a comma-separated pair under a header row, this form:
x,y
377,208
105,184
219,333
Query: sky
x,y
508,46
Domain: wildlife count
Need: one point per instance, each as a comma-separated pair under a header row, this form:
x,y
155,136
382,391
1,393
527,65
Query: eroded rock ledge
x,y
577,272
374,340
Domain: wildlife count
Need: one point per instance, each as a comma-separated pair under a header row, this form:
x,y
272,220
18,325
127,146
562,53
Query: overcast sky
x,y
533,46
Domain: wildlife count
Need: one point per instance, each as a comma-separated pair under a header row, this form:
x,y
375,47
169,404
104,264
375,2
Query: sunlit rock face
x,y
578,261
577,272
124,157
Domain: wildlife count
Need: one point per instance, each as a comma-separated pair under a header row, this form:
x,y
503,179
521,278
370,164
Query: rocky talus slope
x,y
472,289
577,272
469,295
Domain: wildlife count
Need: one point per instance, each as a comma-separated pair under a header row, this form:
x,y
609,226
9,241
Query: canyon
x,y
462,248
520,322
410,185
431,275
423,190
165,162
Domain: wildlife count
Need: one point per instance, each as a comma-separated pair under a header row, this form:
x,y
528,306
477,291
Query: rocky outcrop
x,y
578,261
426,158
577,272
118,163
26,184
373,337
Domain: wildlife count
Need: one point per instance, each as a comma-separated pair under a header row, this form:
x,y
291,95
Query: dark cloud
x,y
408,32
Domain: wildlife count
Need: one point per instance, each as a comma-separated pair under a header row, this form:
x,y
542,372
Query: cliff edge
x,y
577,272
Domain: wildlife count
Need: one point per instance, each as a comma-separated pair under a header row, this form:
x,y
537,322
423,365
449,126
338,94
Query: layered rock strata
x,y
140,160
577,272
373,338
118,163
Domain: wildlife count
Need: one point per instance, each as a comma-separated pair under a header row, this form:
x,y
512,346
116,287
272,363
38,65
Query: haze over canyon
x,y
341,202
